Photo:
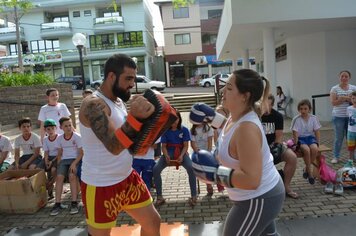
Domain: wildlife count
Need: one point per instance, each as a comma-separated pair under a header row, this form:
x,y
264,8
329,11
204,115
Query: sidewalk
x,y
312,204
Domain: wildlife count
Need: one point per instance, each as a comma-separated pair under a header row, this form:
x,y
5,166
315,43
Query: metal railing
x,y
318,96
55,25
108,19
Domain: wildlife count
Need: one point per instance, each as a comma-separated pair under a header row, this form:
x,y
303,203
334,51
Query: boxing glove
x,y
276,150
208,170
200,113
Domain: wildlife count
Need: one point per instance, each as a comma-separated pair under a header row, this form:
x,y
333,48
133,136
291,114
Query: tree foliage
x,y
182,3
23,5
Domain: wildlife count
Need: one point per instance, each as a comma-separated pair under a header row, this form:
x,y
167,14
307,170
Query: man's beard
x,y
119,92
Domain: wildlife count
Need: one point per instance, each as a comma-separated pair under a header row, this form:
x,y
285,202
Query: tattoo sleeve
x,y
99,123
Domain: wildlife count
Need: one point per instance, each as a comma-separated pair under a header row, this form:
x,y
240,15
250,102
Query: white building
x,y
299,45
47,29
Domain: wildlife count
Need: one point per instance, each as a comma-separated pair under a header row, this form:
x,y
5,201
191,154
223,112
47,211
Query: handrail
x,y
318,96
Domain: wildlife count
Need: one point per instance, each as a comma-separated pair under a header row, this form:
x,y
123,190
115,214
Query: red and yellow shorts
x,y
103,204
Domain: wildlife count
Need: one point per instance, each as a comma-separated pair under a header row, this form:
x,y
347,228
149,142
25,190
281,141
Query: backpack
x,y
327,173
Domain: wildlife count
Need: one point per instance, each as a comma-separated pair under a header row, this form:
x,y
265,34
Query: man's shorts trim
x,y
103,204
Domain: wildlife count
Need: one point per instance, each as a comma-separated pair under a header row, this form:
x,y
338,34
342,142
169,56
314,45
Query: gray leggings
x,y
255,217
187,164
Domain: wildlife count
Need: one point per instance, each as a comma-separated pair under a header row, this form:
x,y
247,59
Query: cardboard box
x,y
24,195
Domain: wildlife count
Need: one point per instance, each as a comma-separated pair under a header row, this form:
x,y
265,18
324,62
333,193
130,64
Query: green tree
x,y
19,7
182,3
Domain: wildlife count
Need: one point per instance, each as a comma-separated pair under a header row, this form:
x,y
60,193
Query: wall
x,y
35,95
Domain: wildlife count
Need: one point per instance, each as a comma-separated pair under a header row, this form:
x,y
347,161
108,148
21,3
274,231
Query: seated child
x,y
70,152
30,145
144,165
306,133
5,153
50,148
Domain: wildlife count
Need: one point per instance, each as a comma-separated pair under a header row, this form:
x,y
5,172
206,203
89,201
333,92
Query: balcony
x,y
8,34
109,24
56,29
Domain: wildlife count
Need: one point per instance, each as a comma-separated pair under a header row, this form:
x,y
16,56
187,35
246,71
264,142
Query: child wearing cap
x,y
53,110
50,148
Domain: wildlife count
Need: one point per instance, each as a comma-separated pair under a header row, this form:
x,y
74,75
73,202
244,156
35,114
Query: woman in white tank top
x,y
258,192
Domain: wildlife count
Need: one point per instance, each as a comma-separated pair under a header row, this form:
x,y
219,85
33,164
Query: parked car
x,y
75,81
207,82
143,83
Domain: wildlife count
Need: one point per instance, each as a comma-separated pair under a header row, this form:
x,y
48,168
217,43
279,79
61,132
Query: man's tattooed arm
x,y
96,112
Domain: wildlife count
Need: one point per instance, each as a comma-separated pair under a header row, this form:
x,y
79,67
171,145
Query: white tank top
x,y
270,176
100,167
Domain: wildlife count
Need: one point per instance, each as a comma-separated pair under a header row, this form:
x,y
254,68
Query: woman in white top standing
x,y
340,99
248,172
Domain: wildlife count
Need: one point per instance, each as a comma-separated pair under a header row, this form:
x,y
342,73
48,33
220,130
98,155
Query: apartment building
x,y
190,34
299,45
46,36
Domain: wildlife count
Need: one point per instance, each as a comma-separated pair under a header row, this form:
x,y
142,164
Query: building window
x,y
209,39
87,12
181,12
61,19
13,49
281,53
100,41
110,14
50,45
132,39
214,13
76,13
182,39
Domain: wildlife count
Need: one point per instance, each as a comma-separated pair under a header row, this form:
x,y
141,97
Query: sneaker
x,y
55,210
334,161
311,180
329,187
339,189
305,174
74,208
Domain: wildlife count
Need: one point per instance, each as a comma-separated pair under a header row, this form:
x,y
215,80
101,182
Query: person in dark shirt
x,y
272,122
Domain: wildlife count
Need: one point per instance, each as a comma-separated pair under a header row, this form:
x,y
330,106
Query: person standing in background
x,y
340,99
53,110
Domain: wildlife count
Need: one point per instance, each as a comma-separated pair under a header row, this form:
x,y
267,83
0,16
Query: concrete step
x,y
182,102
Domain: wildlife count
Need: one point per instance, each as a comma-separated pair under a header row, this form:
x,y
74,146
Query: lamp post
x,y
79,40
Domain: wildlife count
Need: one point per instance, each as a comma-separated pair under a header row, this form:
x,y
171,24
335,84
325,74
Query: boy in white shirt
x,y
50,148
53,110
30,144
70,152
6,158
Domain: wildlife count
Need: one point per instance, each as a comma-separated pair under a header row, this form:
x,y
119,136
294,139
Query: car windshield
x,y
147,79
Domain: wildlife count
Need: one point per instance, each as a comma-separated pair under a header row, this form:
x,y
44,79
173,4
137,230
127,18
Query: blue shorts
x,y
63,167
308,140
36,161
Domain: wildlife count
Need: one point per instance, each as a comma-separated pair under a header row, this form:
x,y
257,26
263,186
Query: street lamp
x,y
79,40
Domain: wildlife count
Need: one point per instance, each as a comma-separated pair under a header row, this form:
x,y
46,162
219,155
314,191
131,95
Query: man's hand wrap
x,y
139,135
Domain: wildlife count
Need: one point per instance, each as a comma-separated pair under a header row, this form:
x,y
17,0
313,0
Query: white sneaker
x,y
339,189
329,187
334,161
